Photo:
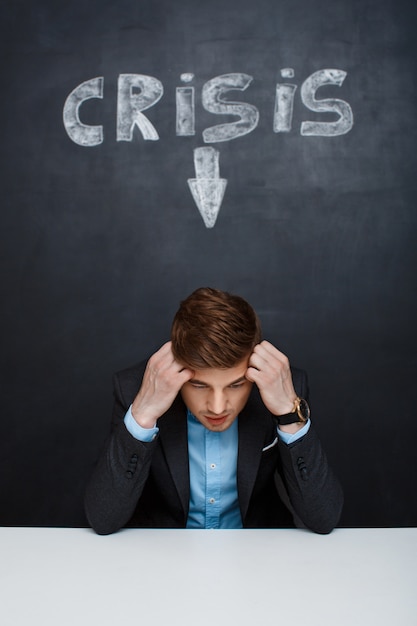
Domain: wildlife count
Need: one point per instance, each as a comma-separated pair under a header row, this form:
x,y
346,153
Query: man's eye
x,y
237,385
197,386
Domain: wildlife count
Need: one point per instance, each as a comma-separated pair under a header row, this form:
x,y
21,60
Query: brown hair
x,y
214,328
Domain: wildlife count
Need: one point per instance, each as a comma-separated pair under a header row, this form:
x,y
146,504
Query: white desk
x,y
72,577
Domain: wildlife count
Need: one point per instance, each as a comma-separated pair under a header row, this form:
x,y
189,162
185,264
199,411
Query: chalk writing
x,y
207,187
328,105
213,102
185,106
131,104
81,133
138,92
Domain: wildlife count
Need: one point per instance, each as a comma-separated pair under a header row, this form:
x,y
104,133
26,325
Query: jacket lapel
x,y
173,440
252,432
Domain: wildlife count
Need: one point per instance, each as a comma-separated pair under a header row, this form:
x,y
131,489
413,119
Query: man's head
x,y
214,329
213,334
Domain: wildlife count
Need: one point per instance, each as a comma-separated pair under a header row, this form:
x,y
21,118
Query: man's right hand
x,y
162,380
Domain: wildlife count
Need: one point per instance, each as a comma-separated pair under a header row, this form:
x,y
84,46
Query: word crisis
x,y
137,92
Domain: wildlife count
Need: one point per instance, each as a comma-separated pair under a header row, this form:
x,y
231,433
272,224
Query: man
x,y
213,432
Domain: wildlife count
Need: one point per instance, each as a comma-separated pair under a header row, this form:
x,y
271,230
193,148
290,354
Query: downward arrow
x,y
207,188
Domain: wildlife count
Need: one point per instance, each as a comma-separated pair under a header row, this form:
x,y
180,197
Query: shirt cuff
x,y
139,433
291,437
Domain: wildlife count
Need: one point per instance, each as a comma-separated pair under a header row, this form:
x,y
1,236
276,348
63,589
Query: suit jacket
x,y
147,484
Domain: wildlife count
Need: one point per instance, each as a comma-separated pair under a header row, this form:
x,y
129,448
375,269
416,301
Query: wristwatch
x,y
300,413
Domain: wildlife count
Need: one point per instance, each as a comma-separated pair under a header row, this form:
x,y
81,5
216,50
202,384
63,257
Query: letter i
x,y
284,103
185,123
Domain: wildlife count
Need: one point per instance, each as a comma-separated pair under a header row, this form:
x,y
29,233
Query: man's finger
x,y
267,348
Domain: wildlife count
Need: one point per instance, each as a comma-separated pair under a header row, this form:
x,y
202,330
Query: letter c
x,y
80,133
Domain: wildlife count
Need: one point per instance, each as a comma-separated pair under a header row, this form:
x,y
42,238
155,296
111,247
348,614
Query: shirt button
x,y
212,500
213,466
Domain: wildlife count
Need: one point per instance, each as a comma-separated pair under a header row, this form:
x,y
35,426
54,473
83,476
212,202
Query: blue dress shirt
x,y
213,470
213,487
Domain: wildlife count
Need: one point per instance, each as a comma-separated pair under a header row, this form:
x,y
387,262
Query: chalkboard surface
x,y
150,147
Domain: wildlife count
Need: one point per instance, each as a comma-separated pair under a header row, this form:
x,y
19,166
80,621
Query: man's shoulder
x,y
128,380
298,373
299,379
131,371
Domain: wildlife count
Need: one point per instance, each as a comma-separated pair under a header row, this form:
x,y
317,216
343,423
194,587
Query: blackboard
x,y
110,131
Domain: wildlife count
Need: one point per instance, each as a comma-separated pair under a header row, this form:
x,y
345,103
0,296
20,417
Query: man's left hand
x,y
270,370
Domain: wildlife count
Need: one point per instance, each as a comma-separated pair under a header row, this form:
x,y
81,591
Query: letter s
x,y
329,105
213,102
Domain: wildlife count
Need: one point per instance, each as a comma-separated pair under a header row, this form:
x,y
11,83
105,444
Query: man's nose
x,y
217,402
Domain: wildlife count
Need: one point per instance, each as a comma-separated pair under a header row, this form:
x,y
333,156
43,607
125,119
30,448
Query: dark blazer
x,y
147,484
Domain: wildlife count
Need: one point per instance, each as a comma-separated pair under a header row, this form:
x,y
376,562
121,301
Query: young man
x,y
206,431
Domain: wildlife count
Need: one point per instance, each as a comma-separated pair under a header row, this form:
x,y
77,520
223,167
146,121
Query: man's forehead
x,y
226,376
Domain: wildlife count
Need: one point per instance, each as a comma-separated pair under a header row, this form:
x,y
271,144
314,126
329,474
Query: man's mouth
x,y
216,420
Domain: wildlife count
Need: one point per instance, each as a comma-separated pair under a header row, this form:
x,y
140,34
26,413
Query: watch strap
x,y
295,415
288,418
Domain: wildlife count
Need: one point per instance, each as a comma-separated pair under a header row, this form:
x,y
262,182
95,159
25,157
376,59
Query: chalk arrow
x,y
207,187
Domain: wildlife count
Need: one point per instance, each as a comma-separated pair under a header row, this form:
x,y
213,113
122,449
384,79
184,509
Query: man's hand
x,y
162,380
270,370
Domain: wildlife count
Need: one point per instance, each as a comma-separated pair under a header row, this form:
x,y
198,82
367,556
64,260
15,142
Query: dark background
x,y
99,244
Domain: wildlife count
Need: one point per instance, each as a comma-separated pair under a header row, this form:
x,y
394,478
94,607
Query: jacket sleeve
x,y
313,489
120,474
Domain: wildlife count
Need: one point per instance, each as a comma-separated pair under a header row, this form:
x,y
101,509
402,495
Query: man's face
x,y
216,396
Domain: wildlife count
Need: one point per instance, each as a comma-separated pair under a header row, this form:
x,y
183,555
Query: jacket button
x,y
129,474
302,468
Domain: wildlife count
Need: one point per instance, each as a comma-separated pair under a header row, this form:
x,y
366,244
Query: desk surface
x,y
72,577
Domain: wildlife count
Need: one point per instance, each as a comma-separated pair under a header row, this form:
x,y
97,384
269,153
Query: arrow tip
x,y
208,195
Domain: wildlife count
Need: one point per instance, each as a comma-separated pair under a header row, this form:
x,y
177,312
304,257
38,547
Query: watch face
x,y
304,409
